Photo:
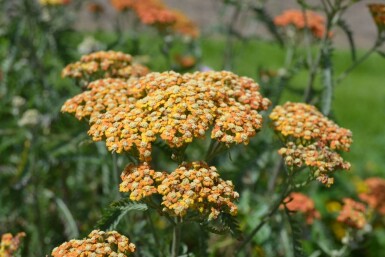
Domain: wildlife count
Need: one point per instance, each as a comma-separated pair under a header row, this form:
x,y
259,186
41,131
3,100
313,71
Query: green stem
x,y
285,192
176,238
154,234
359,61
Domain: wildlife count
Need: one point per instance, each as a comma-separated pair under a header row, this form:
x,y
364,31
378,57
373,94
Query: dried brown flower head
x,y
320,159
197,187
313,21
375,195
353,214
9,244
140,180
104,64
378,14
179,108
298,202
98,243
304,122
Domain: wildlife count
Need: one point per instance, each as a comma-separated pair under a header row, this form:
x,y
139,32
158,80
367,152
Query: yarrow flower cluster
x,y
197,187
320,159
353,214
98,244
311,139
298,202
296,18
179,108
378,14
140,180
104,64
9,244
102,95
375,194
156,13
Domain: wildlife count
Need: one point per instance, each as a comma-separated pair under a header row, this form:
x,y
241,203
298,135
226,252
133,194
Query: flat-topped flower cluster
x,y
311,140
177,108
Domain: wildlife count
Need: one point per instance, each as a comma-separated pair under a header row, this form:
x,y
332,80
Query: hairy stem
x,y
176,238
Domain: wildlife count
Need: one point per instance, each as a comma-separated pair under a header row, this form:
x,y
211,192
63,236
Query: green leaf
x,y
296,233
349,34
233,225
71,228
113,214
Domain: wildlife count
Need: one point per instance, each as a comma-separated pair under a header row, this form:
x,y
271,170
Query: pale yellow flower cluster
x,y
177,108
97,244
54,2
197,187
104,64
311,140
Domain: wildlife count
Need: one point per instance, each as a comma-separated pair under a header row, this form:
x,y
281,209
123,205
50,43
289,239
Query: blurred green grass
x,y
359,100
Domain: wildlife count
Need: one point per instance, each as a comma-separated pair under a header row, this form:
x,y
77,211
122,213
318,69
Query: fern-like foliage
x,y
113,214
296,234
225,223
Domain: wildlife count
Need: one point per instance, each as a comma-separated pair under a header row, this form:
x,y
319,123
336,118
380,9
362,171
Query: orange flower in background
x,y
9,244
140,180
95,8
156,13
179,108
185,61
375,195
97,243
197,187
104,64
298,202
378,14
321,160
313,21
304,122
353,214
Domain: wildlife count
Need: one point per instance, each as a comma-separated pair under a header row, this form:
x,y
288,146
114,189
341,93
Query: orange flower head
x,y
97,243
178,108
353,214
104,64
378,14
315,22
140,180
375,195
298,202
102,95
320,159
9,244
305,123
197,187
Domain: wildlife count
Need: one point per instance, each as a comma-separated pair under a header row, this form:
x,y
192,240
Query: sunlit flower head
x,y
320,159
97,243
296,18
378,14
9,244
178,108
298,202
104,64
353,214
375,194
303,122
197,187
140,180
